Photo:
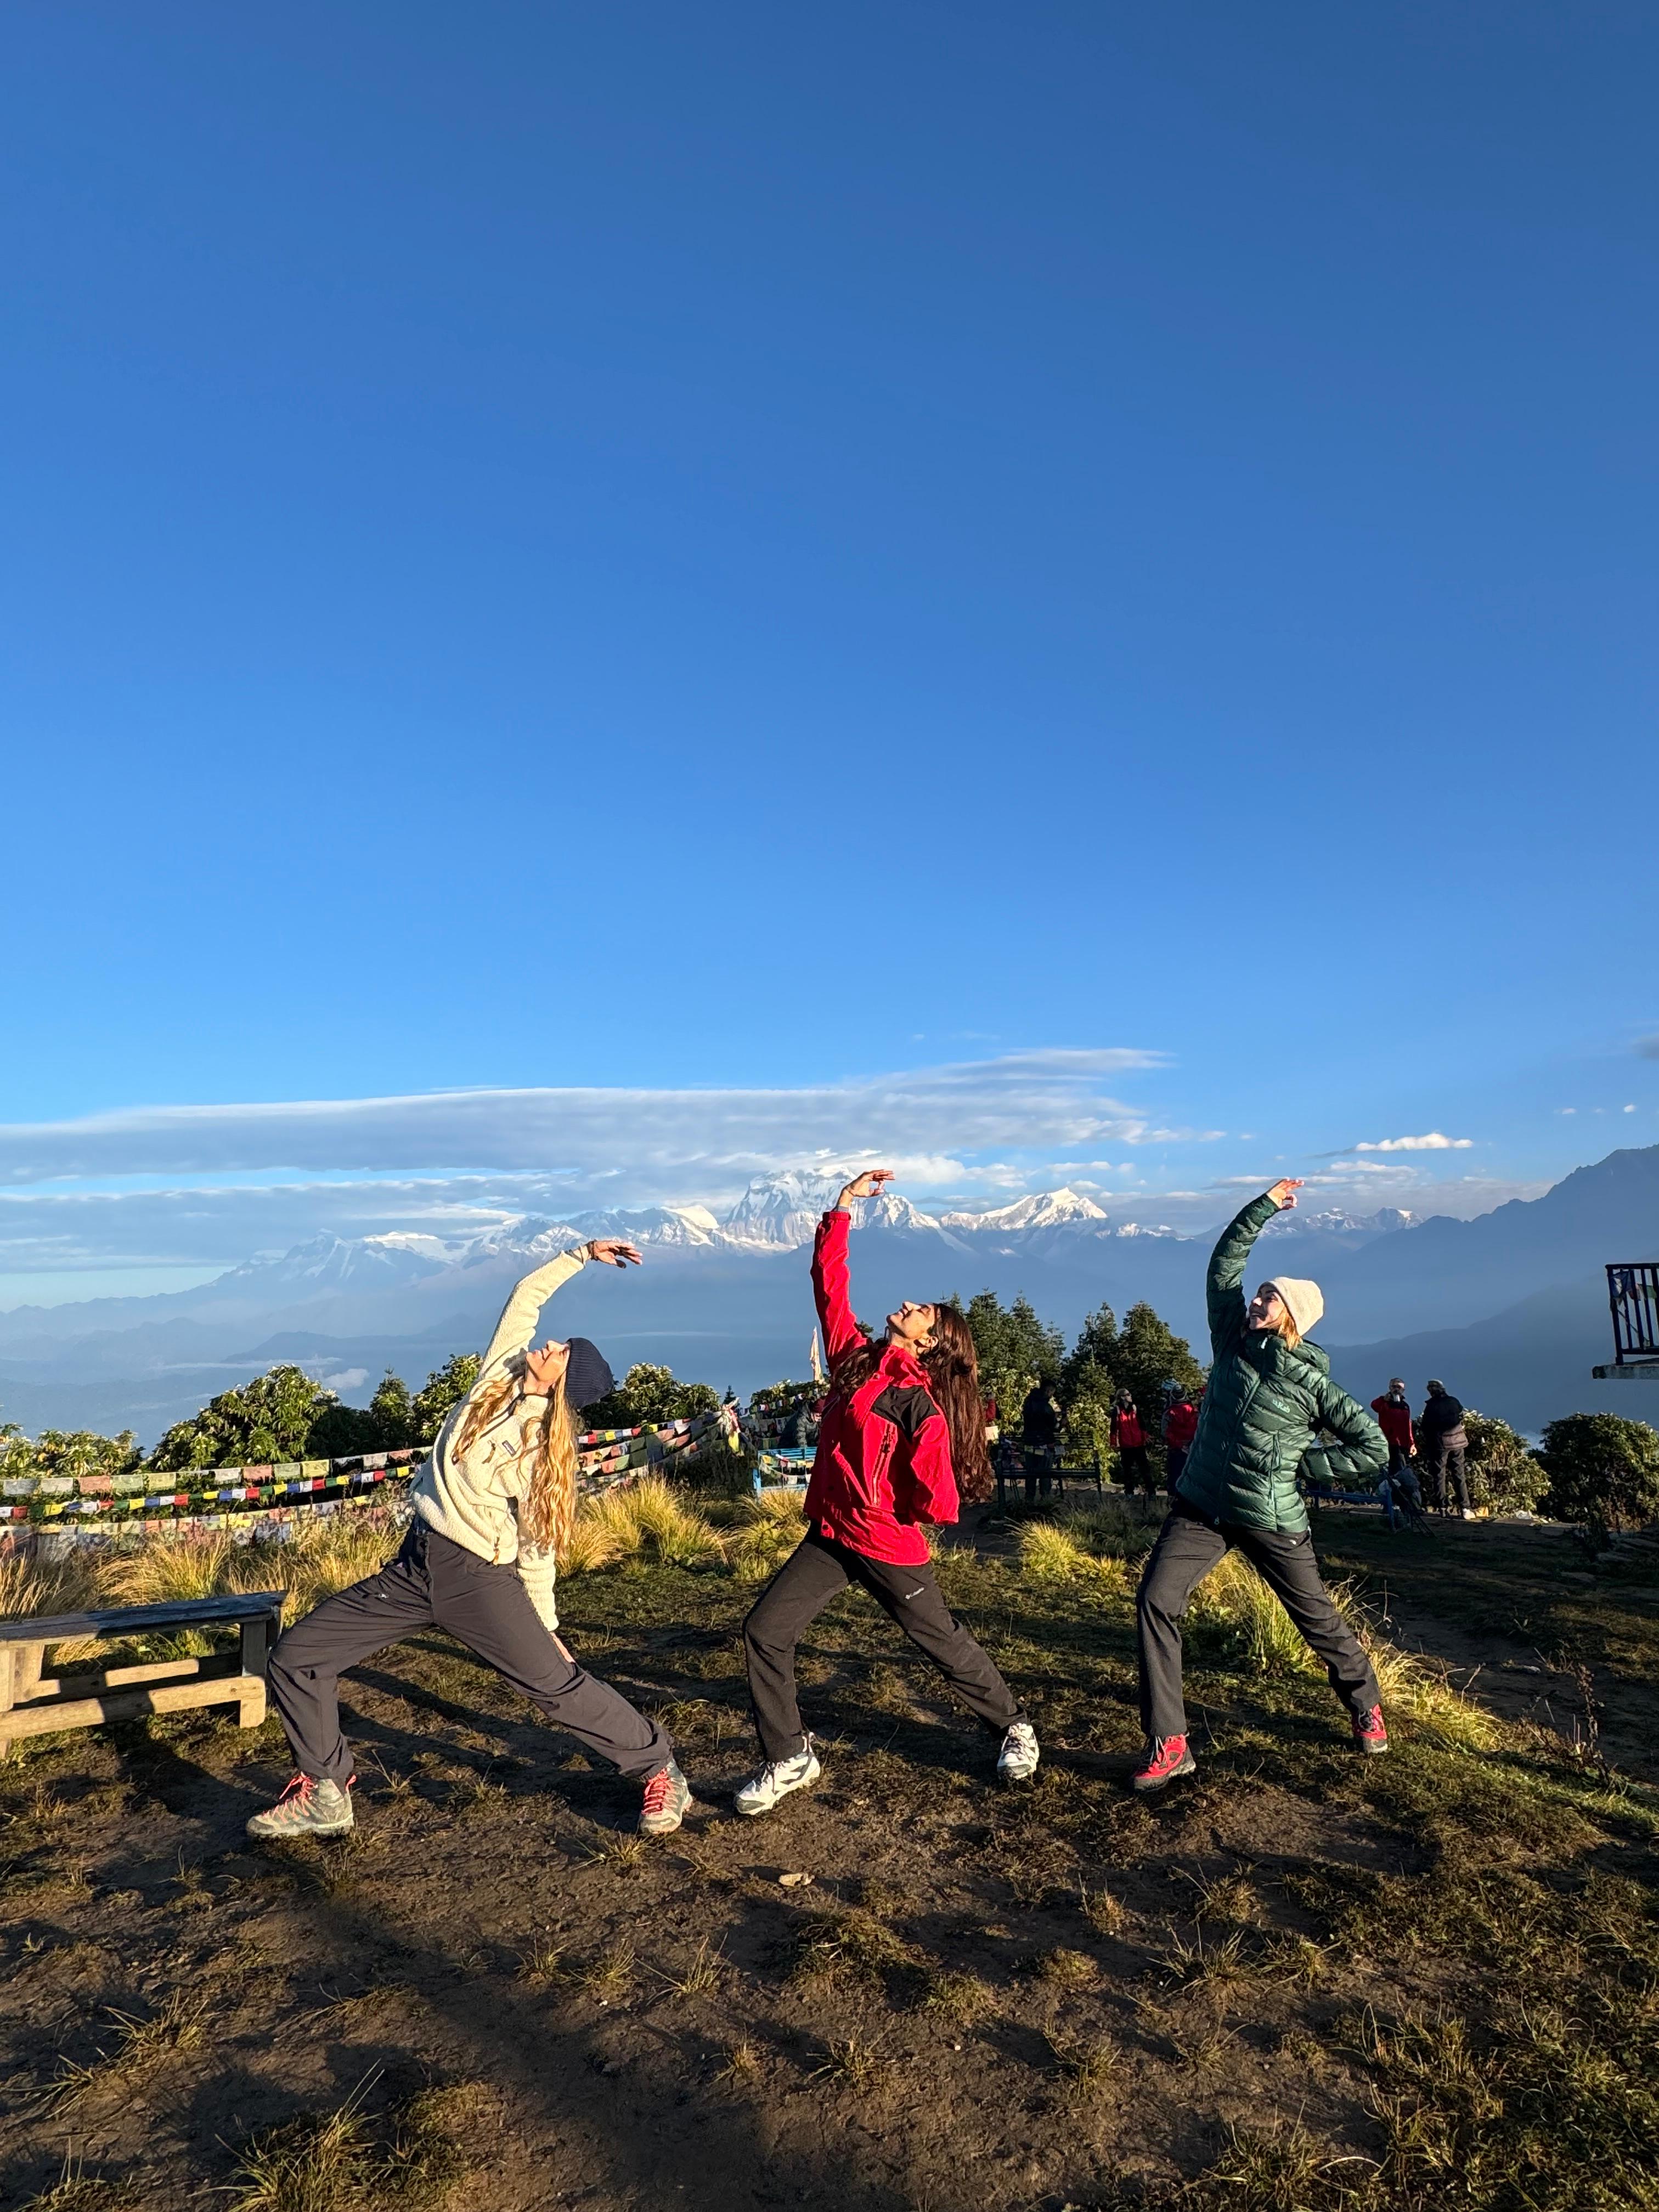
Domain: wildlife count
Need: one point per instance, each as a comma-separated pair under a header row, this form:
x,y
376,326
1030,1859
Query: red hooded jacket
x,y
1394,1418
1181,1424
1126,1434
884,1456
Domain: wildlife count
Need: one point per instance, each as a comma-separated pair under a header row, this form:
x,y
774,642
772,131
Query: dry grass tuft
x,y
310,2163
77,2190
1088,2063
1066,1970
854,2060
961,1999
767,1529
1100,1909
609,1975
742,2063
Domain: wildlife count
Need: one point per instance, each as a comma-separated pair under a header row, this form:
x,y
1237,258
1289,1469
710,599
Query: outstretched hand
x,y
868,1185
614,1252
1284,1191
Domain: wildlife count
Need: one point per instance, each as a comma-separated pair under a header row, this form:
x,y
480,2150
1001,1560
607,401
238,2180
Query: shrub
x,y
768,1529
1504,1473
1602,1470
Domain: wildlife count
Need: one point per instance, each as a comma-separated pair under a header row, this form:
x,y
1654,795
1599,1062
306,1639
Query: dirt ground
x,y
1062,1996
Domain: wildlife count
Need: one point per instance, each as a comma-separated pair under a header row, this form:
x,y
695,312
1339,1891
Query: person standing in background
x,y
1180,1426
1039,1429
1394,1416
1129,1442
1445,1440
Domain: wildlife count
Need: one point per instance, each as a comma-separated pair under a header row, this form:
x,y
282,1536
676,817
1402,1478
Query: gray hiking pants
x,y
806,1582
1186,1548
436,1583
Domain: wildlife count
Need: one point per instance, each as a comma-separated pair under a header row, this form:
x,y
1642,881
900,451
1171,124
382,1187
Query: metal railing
x,y
1633,1300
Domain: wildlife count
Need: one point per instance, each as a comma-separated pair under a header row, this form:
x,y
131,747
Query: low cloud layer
x,y
1034,1099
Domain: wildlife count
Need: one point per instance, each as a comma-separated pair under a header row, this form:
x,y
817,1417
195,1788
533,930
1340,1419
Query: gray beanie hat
x,y
1306,1300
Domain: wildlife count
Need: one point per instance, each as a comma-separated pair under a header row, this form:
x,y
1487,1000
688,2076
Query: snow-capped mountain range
x,y
725,1295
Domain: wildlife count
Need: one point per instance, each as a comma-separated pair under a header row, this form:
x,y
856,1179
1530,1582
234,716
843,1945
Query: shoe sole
x,y
759,1812
1147,1789
292,1835
1016,1781
1371,1750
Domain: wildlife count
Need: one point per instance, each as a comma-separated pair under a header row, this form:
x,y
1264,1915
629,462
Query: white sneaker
x,y
776,1779
1017,1759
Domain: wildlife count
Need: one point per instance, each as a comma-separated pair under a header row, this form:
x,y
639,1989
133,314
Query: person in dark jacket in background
x,y
1270,1393
902,1442
1445,1440
1039,1430
1179,1427
1129,1442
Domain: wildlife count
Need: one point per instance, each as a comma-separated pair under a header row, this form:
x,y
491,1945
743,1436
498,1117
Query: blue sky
x,y
728,555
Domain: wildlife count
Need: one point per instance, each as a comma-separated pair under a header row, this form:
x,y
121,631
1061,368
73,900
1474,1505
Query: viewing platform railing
x,y
1633,1301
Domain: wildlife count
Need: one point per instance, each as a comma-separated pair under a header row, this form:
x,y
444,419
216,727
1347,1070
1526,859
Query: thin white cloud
x,y
1434,1142
1648,1046
1041,1100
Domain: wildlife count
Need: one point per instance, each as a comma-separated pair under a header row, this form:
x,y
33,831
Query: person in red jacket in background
x,y
1394,1418
902,1439
1129,1442
1179,1427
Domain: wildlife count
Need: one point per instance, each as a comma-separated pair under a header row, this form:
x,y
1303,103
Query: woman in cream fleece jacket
x,y
493,1509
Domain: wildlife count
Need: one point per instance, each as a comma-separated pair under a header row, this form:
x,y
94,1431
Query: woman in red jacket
x,y
904,1429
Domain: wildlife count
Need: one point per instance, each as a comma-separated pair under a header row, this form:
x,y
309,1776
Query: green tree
x,y
269,1418
648,1395
67,1451
1150,1354
341,1431
394,1410
1014,1350
1504,1474
1602,1469
443,1391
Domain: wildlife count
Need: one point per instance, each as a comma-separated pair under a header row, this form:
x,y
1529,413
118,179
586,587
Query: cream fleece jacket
x,y
475,1501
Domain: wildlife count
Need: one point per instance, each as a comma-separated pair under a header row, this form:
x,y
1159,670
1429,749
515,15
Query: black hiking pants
x,y
1186,1548
1448,1459
806,1582
436,1583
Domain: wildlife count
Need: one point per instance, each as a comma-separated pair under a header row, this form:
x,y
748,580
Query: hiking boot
x,y
306,1808
1369,1734
667,1796
1017,1761
1165,1757
776,1779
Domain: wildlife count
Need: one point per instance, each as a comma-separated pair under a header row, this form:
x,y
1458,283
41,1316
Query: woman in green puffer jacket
x,y
1269,1397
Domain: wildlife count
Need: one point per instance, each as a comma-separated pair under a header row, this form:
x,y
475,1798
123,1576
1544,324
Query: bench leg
x,y
6,1651
251,1706
26,1662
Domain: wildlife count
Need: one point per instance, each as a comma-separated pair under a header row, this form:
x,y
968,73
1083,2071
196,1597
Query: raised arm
x,y
1223,1285
830,1275
518,1322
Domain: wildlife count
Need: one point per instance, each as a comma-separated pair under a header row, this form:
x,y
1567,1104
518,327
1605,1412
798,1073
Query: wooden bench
x,y
33,1704
1011,1469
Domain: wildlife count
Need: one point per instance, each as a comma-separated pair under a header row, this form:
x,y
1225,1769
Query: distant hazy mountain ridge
x,y
724,1296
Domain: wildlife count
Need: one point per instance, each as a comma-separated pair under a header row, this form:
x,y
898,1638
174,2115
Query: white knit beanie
x,y
1305,1300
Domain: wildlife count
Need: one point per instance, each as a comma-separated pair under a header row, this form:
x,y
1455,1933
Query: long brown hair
x,y
952,1367
548,1440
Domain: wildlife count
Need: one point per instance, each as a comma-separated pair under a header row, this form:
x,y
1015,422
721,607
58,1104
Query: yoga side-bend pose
x,y
493,1509
903,1435
1270,1393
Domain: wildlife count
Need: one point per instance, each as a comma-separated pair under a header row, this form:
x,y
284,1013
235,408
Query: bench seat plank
x,y
247,1691
118,1620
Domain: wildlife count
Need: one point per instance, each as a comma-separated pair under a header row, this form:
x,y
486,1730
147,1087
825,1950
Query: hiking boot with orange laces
x,y
1165,1757
1370,1736
667,1795
306,1808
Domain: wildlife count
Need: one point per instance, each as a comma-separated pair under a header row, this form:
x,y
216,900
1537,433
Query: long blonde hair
x,y
548,1507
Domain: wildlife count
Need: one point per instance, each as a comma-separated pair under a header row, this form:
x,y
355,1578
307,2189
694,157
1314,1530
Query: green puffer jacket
x,y
1266,1403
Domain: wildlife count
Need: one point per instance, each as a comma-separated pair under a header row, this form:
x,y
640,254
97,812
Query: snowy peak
x,y
1043,1209
653,1224
333,1263
781,1211
530,1236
